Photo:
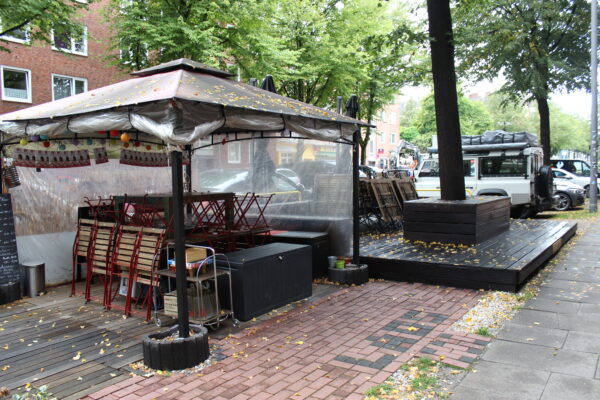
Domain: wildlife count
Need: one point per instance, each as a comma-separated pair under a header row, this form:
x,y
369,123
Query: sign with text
x,y
9,258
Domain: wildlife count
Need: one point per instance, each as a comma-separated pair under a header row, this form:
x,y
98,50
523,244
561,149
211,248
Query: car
x,y
370,171
238,181
568,195
401,172
497,165
577,167
288,173
566,175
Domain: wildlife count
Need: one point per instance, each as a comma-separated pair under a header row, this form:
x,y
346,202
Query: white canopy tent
x,y
179,103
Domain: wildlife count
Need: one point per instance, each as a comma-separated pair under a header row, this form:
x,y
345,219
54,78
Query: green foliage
x,y
509,115
378,390
483,331
569,132
539,47
39,17
474,118
40,393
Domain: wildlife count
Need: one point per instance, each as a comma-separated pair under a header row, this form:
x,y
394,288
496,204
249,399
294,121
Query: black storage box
x,y
319,241
267,277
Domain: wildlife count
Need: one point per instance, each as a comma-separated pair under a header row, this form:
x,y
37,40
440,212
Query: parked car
x,y
566,175
569,194
577,167
401,172
370,171
288,173
498,169
238,181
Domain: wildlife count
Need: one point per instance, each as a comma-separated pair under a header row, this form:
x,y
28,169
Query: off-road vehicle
x,y
498,163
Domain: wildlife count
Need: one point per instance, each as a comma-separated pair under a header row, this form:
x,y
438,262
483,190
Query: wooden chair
x,y
123,260
83,237
99,255
147,264
136,257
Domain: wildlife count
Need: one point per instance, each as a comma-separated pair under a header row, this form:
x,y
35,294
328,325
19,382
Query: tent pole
x,y
181,280
188,173
355,189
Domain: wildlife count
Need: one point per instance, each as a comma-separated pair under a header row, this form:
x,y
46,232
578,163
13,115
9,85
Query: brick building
x,y
35,73
384,139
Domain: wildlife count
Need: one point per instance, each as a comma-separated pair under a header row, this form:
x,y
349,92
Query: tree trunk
x,y
544,111
446,103
363,146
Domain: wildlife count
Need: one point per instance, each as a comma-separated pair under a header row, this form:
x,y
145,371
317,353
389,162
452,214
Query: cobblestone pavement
x,y
334,348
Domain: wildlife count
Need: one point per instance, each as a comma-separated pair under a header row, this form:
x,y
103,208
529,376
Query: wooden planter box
x,y
451,221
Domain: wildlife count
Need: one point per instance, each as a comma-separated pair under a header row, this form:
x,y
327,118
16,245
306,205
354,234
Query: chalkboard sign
x,y
9,258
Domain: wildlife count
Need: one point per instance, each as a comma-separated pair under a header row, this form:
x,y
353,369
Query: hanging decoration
x,y
126,145
136,143
114,133
44,137
102,141
89,142
75,142
100,155
34,138
46,144
62,146
50,159
101,132
125,138
144,159
148,147
23,142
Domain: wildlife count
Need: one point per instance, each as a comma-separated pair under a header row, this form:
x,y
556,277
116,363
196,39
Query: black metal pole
x,y
355,189
188,174
179,236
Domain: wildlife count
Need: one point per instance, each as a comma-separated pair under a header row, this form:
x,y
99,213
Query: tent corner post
x,y
355,199
179,237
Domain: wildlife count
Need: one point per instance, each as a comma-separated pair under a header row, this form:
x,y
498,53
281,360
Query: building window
x,y
372,147
16,84
392,117
381,137
285,158
20,35
70,41
392,138
234,153
65,86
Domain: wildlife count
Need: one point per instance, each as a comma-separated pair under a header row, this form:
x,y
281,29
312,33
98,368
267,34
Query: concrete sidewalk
x,y
551,349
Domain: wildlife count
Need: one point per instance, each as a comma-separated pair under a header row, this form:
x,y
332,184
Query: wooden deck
x,y
73,347
504,262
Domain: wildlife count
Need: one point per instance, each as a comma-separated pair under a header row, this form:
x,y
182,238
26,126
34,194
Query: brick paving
x,y
334,348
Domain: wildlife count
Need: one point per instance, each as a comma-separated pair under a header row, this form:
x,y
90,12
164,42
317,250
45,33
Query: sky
x,y
578,103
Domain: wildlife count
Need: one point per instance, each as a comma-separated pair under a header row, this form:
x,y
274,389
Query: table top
x,y
186,195
199,278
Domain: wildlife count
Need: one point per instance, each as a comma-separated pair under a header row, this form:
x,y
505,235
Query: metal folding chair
x,y
83,237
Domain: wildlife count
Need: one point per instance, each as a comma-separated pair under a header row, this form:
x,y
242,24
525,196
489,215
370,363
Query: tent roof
x,y
182,63
178,84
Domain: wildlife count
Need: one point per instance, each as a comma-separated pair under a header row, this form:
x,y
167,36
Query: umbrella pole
x,y
179,235
355,220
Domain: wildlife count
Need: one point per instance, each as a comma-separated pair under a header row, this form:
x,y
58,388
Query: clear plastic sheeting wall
x,y
47,201
310,180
